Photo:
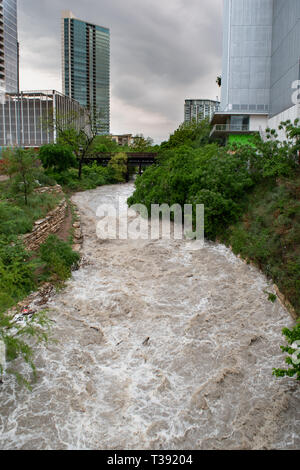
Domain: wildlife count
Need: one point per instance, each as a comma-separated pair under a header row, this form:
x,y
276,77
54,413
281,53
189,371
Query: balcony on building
x,y
225,124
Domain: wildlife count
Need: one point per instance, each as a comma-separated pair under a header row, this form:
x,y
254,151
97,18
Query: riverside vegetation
x,y
251,197
22,272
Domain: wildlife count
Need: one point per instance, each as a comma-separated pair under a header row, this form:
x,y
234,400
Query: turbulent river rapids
x,y
159,346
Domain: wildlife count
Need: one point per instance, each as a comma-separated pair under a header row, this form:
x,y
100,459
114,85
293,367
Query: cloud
x,y
162,52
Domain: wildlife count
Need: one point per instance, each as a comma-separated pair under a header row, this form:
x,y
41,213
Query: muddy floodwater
x,y
159,346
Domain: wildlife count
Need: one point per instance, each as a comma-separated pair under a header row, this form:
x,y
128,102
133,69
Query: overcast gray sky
x,y
162,52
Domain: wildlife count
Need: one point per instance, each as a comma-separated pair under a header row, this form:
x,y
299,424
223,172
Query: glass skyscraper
x,y
261,64
86,66
9,54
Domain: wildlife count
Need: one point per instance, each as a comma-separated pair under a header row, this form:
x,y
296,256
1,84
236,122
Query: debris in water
x,y
27,311
146,342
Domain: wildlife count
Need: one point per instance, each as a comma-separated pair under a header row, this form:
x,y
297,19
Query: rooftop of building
x,y
121,135
202,99
67,14
32,94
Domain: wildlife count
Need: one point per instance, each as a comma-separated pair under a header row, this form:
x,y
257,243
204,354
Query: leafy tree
x,y
194,134
208,175
105,144
79,131
190,171
271,158
118,163
292,131
100,148
22,166
141,144
57,157
14,336
219,211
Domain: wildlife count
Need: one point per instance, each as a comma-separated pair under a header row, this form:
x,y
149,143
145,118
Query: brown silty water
x,y
160,346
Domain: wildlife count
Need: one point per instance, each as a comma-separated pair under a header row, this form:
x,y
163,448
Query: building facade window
x,y
86,66
9,50
200,109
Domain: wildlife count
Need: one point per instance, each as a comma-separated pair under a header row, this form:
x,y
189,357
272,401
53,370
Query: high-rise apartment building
x,y
200,109
261,54
86,66
9,50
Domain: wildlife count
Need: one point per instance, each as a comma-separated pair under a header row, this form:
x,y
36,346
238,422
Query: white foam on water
x,y
2,356
160,346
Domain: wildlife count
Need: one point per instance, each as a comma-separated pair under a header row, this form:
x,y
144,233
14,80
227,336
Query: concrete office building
x,y
124,139
9,49
261,52
86,66
27,119
200,109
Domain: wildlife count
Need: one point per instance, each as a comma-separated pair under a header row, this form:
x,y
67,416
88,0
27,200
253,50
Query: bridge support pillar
x,y
127,172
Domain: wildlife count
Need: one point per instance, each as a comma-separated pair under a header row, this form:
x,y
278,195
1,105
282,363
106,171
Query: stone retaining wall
x,y
49,189
45,227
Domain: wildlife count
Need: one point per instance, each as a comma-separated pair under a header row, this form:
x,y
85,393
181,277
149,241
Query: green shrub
x,y
13,342
104,144
58,257
293,359
57,157
43,178
118,164
64,178
269,234
13,220
22,165
92,177
16,217
195,134
96,175
207,175
6,301
16,272
218,211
